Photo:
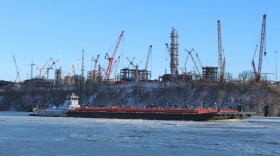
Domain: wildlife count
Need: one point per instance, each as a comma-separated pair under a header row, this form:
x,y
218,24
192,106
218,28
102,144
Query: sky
x,y
37,30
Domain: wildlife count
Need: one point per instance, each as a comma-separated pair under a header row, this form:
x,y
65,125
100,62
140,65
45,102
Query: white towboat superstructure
x,y
72,101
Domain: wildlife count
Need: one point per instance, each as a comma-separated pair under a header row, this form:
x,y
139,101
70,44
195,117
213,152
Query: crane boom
x,y
111,59
185,64
116,64
261,52
95,62
262,48
195,65
15,62
199,61
148,57
42,68
220,51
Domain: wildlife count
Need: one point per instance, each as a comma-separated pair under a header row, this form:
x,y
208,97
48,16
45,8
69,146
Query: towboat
x,y
71,102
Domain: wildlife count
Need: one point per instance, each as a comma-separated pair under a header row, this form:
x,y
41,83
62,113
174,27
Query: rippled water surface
x,y
21,134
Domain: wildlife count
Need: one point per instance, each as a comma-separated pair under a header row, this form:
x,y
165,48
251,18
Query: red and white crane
x,y
261,52
42,68
111,59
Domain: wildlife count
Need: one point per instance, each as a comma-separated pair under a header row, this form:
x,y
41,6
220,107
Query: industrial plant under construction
x,y
132,86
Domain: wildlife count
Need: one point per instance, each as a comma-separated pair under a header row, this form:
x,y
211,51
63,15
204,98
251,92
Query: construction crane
x,y
83,63
54,62
221,72
51,67
195,65
31,71
15,62
95,62
130,62
111,59
48,69
74,67
199,61
115,65
42,68
185,64
148,57
167,49
223,69
261,52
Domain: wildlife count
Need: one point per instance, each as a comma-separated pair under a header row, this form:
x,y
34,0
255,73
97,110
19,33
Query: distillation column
x,y
174,54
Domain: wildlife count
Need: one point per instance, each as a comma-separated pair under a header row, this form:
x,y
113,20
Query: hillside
x,y
251,97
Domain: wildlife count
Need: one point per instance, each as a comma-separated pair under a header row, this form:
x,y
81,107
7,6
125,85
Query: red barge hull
x,y
145,113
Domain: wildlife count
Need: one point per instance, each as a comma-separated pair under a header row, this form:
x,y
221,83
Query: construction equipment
x,y
74,67
185,64
42,68
115,65
54,62
221,66
83,63
195,65
130,62
111,59
31,70
223,69
167,49
51,67
199,61
95,62
261,52
148,57
15,62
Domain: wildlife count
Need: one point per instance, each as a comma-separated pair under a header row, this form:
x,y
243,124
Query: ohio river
x,y
21,134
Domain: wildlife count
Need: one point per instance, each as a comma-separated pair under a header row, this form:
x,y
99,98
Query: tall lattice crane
x,y
116,64
95,62
51,67
220,50
111,59
130,62
148,57
83,63
15,62
261,52
199,61
195,65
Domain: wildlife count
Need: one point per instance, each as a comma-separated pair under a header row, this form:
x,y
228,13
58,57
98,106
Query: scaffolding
x,y
210,73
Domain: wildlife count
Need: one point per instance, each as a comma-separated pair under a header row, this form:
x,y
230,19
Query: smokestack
x,y
174,54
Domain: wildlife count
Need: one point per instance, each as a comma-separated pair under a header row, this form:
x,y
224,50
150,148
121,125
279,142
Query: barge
x,y
71,108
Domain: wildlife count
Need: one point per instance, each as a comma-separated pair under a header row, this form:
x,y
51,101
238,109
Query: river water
x,y
21,134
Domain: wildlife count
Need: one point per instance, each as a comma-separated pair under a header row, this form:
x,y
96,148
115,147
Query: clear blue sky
x,y
38,30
